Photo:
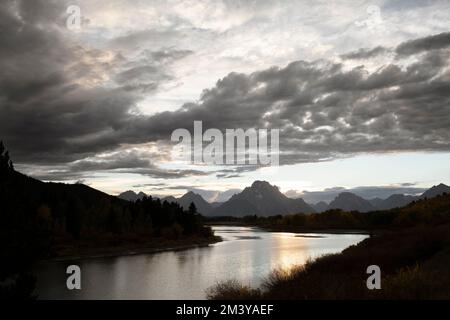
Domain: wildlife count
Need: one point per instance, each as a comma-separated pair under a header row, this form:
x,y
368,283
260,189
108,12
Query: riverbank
x,y
413,262
85,249
316,230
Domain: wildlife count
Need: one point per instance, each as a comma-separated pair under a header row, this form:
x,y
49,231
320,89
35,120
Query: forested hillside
x,y
41,220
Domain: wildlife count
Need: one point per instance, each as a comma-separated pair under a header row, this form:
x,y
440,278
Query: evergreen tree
x,y
6,165
192,208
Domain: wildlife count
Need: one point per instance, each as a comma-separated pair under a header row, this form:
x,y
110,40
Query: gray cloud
x,y
365,53
68,173
235,172
158,173
438,41
407,48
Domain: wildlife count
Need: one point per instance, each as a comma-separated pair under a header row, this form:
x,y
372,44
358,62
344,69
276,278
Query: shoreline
x,y
318,231
118,252
296,229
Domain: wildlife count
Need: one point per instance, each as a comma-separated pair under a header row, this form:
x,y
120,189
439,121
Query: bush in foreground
x,y
232,290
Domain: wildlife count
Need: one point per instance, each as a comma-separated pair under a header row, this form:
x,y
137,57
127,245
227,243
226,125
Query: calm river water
x,y
246,254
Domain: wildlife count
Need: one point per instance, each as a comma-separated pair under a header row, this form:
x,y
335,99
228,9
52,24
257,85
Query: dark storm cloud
x,y
52,110
55,109
411,47
45,111
439,41
325,111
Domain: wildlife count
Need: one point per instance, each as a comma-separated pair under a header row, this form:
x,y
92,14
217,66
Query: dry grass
x,y
232,290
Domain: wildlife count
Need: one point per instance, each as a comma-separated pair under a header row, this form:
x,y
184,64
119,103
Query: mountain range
x,y
350,202
261,198
264,199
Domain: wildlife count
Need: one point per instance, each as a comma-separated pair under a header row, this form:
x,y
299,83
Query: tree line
x,y
434,211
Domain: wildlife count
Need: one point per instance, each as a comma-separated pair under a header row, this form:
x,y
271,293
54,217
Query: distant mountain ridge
x,y
351,202
348,201
264,199
394,201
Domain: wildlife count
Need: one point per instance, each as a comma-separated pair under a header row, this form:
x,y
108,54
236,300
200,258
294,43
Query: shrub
x,y
232,290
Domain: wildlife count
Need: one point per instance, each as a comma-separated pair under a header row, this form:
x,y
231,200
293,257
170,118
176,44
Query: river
x,y
246,254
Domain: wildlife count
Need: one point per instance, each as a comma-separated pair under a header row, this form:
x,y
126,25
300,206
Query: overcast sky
x,y
359,91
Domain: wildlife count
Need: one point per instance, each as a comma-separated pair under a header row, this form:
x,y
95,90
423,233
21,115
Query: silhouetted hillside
x,y
202,206
131,195
39,220
320,206
169,199
436,190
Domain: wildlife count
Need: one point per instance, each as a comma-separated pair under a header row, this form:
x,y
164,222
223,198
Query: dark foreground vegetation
x,y
411,246
43,220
